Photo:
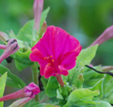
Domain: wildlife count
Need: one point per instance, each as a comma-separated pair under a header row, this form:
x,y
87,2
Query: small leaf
x,y
43,16
98,86
22,59
26,31
87,55
12,80
52,86
73,76
81,97
2,86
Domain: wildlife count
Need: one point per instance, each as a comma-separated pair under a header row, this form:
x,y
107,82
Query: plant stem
x,y
35,76
59,78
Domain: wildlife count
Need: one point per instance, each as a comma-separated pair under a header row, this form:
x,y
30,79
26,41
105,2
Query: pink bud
x,y
20,102
38,7
107,34
28,91
2,46
3,37
11,47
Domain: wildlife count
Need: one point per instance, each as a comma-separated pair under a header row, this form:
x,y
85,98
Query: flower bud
x,y
38,7
3,37
2,46
28,91
44,27
11,47
107,34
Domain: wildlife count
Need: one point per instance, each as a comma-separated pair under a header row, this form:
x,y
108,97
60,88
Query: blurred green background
x,y
84,19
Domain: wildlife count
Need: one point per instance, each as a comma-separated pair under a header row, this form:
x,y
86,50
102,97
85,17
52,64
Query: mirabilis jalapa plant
x,y
57,53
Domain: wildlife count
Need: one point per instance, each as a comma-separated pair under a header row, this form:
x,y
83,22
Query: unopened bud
x,y
3,37
107,34
28,91
11,47
38,7
2,46
44,27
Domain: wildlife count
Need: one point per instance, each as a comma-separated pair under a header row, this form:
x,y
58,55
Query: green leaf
x,y
87,55
35,104
91,77
26,32
22,44
12,80
103,104
2,86
108,88
81,97
50,105
44,81
52,86
98,86
84,58
22,59
73,76
91,74
43,16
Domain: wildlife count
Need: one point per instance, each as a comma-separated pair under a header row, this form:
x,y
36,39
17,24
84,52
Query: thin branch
x,y
109,73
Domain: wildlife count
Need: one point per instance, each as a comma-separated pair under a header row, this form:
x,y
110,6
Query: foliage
x,y
2,86
83,87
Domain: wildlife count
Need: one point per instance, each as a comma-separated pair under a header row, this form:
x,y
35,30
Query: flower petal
x,y
45,44
48,71
42,70
63,42
63,71
36,56
69,58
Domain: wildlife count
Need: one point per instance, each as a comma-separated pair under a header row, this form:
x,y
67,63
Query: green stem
x,y
35,76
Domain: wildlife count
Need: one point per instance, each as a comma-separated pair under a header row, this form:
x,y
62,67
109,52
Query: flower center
x,y
50,60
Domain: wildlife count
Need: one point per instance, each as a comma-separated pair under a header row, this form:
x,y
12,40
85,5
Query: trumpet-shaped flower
x,y
56,52
28,91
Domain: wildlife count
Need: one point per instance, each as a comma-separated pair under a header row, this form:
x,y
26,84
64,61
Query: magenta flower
x,y
28,91
38,7
56,52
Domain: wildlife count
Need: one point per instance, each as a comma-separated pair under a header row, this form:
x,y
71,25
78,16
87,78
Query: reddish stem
x,y
59,78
